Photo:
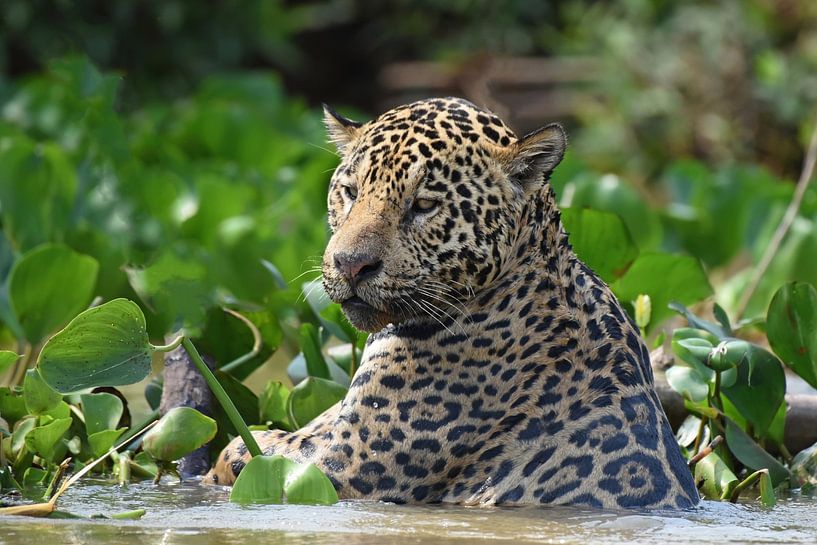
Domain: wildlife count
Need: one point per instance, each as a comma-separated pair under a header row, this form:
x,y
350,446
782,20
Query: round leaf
x,y
266,479
102,441
305,483
261,481
179,432
48,286
687,382
791,326
103,346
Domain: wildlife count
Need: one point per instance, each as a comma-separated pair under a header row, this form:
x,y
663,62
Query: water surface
x,y
193,514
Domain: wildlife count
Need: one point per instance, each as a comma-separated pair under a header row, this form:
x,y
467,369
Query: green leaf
x,y
178,433
687,382
751,454
266,479
272,404
306,484
611,194
7,359
45,440
791,326
101,441
694,350
760,386
12,405
102,412
261,481
177,288
296,370
38,395
718,330
334,320
767,497
601,240
312,397
664,278
226,338
48,286
714,478
104,346
310,344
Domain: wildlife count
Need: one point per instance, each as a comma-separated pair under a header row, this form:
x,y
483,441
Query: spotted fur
x,y
501,369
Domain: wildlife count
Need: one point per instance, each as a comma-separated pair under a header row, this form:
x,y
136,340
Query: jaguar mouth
x,y
363,315
356,303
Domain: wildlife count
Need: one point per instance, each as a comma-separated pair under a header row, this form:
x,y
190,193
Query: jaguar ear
x,y
341,131
530,160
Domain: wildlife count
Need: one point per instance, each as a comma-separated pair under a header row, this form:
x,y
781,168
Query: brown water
x,y
189,513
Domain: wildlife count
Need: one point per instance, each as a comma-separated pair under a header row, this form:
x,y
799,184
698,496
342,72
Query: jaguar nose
x,y
357,267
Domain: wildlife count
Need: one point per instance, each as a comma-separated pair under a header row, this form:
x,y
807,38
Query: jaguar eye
x,y
424,206
350,192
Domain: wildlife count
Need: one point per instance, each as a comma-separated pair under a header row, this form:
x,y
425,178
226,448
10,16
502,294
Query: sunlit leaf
x,y
178,433
267,479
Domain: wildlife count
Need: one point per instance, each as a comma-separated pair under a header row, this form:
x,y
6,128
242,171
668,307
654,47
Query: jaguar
x,y
500,369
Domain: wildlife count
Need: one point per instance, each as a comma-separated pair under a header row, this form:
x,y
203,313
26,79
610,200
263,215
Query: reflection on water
x,y
189,513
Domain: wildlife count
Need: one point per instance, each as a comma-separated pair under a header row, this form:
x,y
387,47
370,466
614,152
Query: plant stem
x,y
700,436
174,344
256,345
746,483
223,399
785,224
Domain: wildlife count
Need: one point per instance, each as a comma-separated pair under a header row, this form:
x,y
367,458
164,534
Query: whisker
x,y
308,271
